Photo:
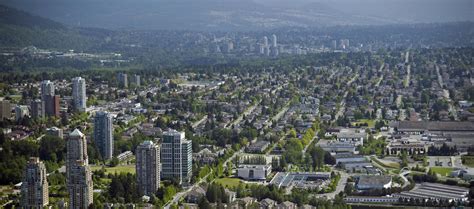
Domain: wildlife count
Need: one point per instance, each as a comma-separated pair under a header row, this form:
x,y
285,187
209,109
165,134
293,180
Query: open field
x,y
443,171
117,169
370,123
228,182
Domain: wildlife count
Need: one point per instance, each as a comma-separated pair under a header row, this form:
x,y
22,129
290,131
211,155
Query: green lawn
x,y
117,169
468,160
370,123
394,165
228,182
443,171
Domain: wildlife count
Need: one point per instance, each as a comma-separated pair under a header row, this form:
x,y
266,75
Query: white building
x,y
47,89
79,94
254,172
176,156
21,111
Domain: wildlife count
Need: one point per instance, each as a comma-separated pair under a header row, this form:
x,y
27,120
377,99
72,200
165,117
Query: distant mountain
x,y
21,29
241,14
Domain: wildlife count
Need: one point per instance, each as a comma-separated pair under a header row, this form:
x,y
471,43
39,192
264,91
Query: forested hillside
x,y
20,29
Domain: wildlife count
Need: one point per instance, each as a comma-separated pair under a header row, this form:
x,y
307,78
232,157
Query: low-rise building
x,y
352,137
367,199
254,172
374,182
436,191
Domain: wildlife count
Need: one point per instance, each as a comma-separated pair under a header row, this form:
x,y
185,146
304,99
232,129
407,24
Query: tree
x,y
204,204
114,162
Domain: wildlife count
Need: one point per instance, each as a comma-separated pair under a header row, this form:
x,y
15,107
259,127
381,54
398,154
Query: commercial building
x,y
410,146
338,147
176,156
460,133
103,134
21,111
369,199
374,182
148,167
55,131
34,187
79,94
122,79
435,191
254,172
52,105
78,173
348,157
47,89
351,137
37,109
5,110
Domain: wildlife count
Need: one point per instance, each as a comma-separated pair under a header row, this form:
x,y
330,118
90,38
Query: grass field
x,y
370,123
394,165
443,171
228,182
117,169
468,161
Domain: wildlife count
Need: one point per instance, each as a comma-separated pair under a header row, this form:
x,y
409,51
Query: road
x,y
407,56
197,123
339,188
179,195
451,107
241,116
407,79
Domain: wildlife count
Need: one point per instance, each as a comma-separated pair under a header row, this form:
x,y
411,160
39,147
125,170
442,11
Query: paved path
x,y
199,122
339,188
181,194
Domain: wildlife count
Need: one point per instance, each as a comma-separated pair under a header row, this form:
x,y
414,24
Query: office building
x,y
21,111
47,89
52,105
148,167
103,134
122,79
254,172
265,41
176,156
274,41
136,80
78,173
374,182
34,187
55,131
5,110
37,109
334,44
79,94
